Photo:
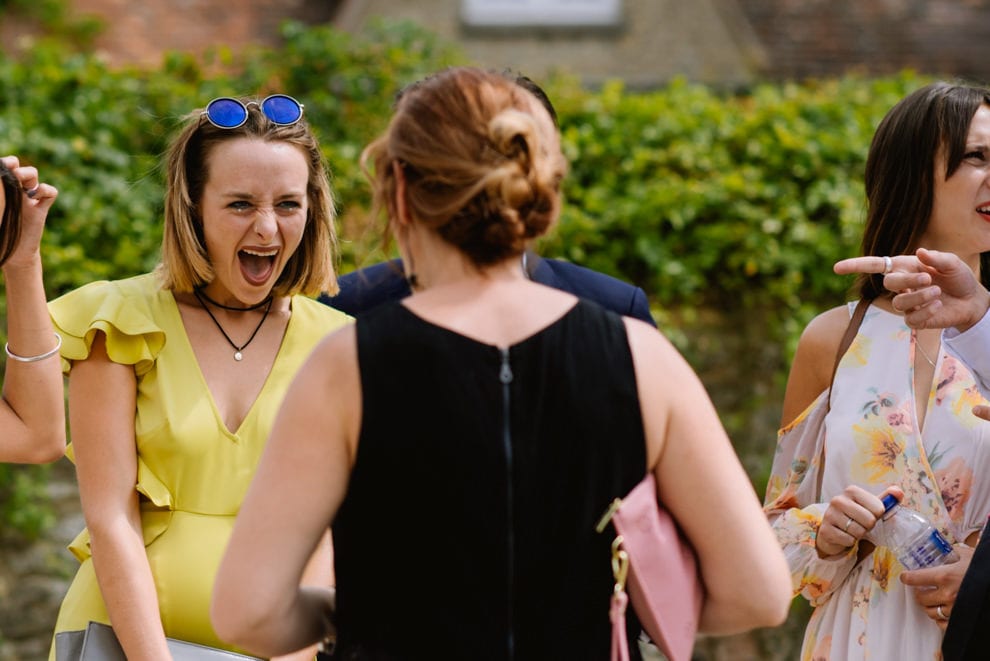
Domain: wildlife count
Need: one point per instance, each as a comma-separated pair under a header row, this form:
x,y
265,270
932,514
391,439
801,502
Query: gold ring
x,y
942,616
849,521
888,265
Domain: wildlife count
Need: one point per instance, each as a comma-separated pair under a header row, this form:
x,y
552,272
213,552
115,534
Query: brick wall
x,y
139,32
824,37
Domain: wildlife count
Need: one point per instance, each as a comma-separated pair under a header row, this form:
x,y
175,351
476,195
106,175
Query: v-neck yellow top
x,y
192,471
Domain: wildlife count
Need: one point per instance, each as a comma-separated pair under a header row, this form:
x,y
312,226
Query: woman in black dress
x,y
463,442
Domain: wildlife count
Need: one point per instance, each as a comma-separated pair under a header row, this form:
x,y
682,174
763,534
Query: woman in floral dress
x,y
900,409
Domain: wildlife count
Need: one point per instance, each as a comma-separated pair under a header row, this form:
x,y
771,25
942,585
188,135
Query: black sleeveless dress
x,y
468,528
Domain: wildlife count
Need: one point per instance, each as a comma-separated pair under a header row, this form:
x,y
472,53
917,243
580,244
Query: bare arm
x,y
318,573
32,409
307,463
707,491
101,411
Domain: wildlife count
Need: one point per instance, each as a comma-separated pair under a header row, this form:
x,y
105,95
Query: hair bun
x,y
477,166
517,192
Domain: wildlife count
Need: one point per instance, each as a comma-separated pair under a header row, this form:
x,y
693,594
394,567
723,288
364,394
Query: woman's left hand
x,y
38,198
937,587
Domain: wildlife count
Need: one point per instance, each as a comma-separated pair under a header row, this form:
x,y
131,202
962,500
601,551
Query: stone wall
x,y
727,42
35,575
704,40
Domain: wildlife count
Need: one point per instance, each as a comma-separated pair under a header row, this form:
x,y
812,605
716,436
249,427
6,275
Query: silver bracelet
x,y
34,359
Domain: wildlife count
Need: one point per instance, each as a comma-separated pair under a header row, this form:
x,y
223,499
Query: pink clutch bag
x,y
652,559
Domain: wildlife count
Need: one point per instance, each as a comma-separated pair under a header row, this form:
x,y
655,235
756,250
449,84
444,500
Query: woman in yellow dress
x,y
175,377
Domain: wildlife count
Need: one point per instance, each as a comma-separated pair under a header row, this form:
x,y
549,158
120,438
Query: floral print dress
x,y
872,439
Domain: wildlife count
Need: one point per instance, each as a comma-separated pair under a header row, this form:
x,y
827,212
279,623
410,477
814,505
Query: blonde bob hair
x,y
185,264
478,168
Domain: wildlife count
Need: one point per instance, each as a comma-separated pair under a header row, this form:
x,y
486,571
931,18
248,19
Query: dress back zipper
x,y
505,377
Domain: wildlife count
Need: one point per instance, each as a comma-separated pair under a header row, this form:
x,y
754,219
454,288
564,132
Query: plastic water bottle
x,y
910,536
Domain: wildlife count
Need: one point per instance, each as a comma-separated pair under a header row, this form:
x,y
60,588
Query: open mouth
x,y
984,211
257,266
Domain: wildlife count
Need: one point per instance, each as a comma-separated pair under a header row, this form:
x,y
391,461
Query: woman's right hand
x,y
850,515
933,289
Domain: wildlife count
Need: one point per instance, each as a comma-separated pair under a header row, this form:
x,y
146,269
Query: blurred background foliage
x,y
727,207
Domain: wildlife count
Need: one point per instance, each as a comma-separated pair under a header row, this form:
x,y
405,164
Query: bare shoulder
x,y
661,371
339,344
648,343
325,394
824,333
814,360
332,365
676,409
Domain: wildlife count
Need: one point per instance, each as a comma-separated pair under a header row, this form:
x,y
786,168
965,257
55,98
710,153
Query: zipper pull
x,y
505,373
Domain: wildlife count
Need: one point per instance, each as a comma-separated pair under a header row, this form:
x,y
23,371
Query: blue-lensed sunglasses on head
x,y
229,113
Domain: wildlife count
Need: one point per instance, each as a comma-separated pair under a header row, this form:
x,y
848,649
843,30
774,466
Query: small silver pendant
x,y
238,355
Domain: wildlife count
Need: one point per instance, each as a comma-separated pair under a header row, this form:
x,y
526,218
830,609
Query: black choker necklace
x,y
200,293
237,349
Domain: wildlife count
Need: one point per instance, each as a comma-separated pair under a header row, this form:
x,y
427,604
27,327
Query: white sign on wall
x,y
542,13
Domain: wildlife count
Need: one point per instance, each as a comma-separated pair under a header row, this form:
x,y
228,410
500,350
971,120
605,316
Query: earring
x,y
410,273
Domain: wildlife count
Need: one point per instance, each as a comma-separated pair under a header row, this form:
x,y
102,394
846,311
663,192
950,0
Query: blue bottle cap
x,y
941,542
889,501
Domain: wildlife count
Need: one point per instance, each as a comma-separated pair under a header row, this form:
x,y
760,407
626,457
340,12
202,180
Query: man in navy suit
x,y
369,287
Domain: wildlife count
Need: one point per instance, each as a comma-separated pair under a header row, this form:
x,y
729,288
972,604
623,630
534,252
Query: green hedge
x,y
708,200
733,200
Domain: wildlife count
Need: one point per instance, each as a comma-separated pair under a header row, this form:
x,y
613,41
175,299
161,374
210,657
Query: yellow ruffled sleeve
x,y
122,310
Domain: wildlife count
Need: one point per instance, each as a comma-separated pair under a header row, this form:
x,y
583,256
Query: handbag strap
x,y
847,339
617,614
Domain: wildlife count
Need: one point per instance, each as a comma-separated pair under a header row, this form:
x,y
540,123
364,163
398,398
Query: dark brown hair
x,y
10,223
900,170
